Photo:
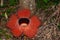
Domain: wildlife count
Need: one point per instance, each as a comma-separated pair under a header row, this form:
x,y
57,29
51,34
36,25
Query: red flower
x,y
23,24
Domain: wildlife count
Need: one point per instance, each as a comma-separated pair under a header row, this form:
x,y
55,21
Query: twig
x,y
6,16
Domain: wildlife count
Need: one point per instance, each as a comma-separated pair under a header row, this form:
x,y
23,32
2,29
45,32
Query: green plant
x,y
46,3
0,39
12,2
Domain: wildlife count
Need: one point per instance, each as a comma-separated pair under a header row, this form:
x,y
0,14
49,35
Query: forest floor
x,y
49,30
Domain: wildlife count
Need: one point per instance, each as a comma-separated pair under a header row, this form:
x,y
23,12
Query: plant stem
x,y
1,2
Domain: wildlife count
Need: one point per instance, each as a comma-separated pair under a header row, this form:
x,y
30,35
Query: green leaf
x,y
3,14
44,4
8,10
46,1
0,38
12,2
56,2
38,4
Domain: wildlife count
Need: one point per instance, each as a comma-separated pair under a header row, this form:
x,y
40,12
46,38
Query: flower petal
x,y
32,27
29,32
35,22
12,22
23,13
16,32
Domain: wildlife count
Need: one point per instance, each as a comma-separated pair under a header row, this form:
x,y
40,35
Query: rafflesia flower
x,y
22,23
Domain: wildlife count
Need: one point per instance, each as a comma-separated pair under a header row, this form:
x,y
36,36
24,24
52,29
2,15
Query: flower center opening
x,y
23,21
